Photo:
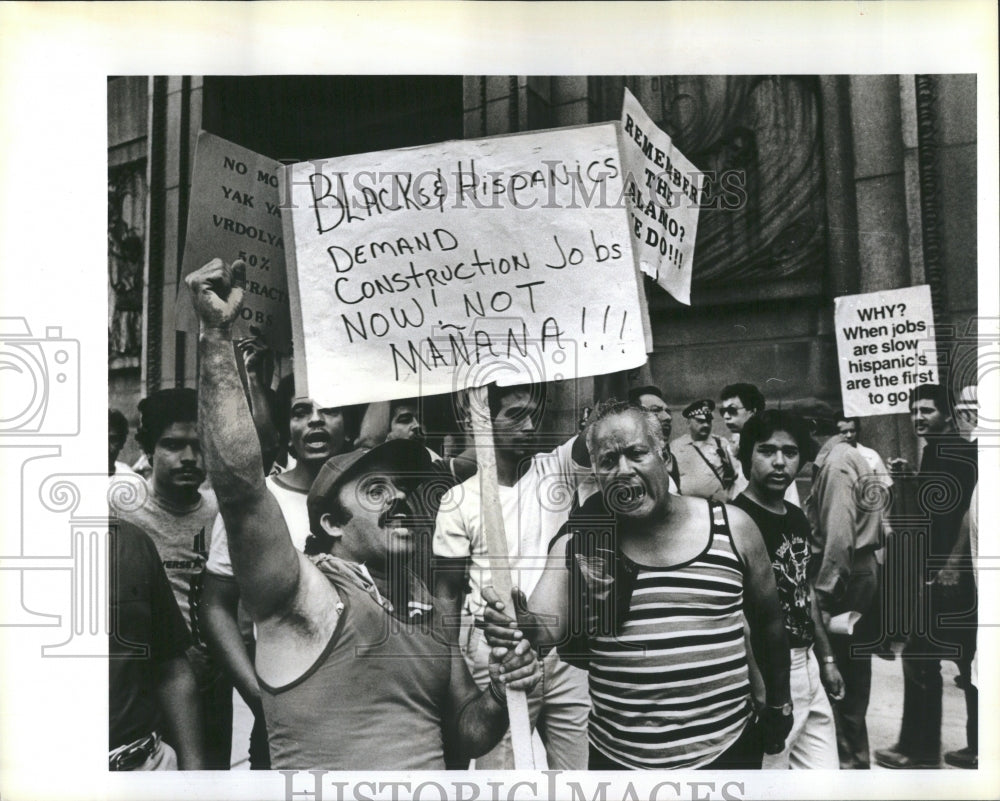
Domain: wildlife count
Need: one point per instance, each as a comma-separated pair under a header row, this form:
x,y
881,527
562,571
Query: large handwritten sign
x,y
663,191
430,269
234,212
885,346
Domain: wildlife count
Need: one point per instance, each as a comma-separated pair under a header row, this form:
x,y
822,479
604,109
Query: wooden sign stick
x,y
497,549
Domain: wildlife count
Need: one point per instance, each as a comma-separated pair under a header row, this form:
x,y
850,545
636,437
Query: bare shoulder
x,y
561,542
685,509
740,523
290,641
747,538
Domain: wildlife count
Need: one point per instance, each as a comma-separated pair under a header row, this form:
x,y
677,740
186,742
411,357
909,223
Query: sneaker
x,y
965,758
897,760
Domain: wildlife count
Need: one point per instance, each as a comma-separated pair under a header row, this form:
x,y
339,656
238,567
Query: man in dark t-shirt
x,y
773,445
151,686
946,594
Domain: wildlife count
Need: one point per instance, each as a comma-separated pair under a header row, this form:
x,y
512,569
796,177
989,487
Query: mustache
x,y
400,514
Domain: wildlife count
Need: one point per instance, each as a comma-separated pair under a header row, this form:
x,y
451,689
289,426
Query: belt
x,y
134,754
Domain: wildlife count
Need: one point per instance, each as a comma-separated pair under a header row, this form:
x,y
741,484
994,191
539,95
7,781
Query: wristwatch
x,y
785,709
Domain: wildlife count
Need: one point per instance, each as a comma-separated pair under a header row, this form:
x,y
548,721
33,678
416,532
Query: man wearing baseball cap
x,y
707,468
355,667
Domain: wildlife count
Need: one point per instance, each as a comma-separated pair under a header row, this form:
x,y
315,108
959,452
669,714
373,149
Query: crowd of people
x,y
676,604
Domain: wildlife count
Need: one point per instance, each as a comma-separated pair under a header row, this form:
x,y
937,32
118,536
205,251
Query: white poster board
x,y
663,190
885,347
436,268
234,213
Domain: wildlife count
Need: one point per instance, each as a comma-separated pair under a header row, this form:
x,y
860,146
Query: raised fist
x,y
217,292
258,358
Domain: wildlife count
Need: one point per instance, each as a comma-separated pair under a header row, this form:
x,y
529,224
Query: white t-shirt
x,y
293,509
534,510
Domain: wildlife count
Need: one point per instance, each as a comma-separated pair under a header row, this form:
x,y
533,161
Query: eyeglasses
x,y
656,409
731,411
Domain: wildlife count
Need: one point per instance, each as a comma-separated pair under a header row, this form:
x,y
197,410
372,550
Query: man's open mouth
x,y
402,522
624,495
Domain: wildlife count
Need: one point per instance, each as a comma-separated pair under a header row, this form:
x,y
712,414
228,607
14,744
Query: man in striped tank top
x,y
648,591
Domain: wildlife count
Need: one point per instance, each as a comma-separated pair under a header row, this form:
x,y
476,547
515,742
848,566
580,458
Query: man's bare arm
x,y
375,425
219,603
177,692
479,717
545,617
257,364
763,610
265,562
449,587
829,673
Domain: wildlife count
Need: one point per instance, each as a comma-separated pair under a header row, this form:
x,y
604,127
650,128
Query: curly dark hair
x,y
761,426
161,410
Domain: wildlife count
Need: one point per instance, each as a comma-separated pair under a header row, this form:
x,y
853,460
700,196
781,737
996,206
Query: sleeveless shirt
x,y
669,681
373,700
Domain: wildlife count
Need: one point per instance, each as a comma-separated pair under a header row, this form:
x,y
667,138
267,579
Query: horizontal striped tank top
x,y
671,690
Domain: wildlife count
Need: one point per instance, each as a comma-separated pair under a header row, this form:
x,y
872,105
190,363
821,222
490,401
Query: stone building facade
x,y
853,184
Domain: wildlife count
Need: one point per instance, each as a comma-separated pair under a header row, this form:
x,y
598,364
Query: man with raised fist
x,y
355,668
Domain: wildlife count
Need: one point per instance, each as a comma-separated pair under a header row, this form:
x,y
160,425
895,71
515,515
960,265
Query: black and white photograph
x,y
613,430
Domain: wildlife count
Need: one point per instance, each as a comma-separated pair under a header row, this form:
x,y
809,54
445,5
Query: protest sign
x,y
234,213
663,194
885,347
430,269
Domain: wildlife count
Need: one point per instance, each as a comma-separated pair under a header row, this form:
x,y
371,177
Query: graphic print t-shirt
x,y
787,540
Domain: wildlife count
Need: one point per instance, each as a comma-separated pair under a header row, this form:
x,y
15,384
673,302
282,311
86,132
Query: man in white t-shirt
x,y
536,495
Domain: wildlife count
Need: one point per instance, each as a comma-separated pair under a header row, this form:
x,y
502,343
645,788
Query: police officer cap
x,y
700,408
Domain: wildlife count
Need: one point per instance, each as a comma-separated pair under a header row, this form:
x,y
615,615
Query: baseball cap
x,y
405,456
